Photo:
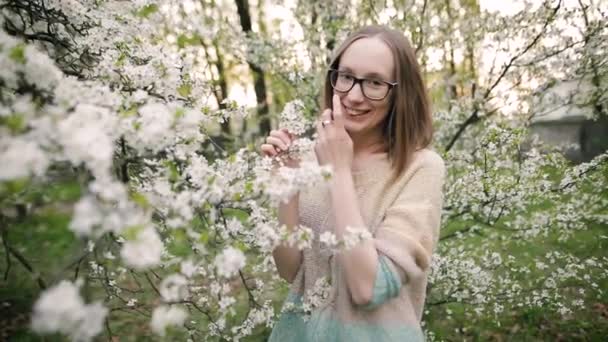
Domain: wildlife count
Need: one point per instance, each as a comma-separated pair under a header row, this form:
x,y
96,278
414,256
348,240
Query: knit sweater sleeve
x,y
409,232
386,284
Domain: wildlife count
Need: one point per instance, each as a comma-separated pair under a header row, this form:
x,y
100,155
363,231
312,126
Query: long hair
x,y
408,127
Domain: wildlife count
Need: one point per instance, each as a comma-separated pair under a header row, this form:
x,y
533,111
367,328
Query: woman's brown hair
x,y
408,127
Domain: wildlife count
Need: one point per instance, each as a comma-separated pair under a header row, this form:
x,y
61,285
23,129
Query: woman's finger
x,y
320,130
292,136
324,120
338,114
284,136
269,150
277,142
326,115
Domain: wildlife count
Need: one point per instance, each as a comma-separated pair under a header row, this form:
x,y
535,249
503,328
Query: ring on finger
x,y
325,122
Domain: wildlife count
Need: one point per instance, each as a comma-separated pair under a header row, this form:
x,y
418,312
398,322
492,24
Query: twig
x,y
21,259
249,294
474,117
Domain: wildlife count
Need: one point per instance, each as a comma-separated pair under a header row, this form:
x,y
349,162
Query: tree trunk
x,y
221,71
259,81
453,87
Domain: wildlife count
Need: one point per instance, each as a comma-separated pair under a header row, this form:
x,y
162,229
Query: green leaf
x,y
204,237
64,191
184,90
183,41
239,214
179,113
173,171
120,61
140,199
241,246
147,10
249,187
18,54
179,246
14,186
14,122
130,233
126,112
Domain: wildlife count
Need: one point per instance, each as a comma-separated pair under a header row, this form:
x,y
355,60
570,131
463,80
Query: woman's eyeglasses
x,y
373,89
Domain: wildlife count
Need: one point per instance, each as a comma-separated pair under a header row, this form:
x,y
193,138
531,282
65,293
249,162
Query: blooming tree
x,y
174,224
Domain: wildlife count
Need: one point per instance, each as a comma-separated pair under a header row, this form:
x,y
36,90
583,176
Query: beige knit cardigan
x,y
404,220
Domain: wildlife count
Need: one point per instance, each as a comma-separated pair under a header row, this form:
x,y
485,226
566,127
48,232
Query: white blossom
x,y
85,137
229,262
164,316
188,268
354,235
329,239
61,309
143,252
20,158
292,118
87,215
174,288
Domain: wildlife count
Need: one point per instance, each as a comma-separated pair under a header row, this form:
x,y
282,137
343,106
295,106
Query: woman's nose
x,y
356,93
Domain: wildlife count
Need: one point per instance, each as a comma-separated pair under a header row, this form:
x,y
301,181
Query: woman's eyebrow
x,y
366,75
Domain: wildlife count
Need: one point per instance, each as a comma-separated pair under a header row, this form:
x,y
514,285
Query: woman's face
x,y
367,58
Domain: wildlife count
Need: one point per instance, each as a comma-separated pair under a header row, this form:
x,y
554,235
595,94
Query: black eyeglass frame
x,y
358,80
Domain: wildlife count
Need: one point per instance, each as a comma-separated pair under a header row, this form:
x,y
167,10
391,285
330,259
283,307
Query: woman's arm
x,y
360,263
288,259
407,235
335,147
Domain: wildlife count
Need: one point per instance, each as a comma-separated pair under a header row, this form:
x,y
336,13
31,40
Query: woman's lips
x,y
355,112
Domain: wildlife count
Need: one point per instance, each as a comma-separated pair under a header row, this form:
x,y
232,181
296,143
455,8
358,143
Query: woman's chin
x,y
352,127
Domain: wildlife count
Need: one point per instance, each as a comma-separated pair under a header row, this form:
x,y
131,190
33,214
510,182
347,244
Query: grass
x,y
534,323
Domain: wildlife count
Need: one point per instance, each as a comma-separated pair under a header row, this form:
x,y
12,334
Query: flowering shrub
x,y
174,225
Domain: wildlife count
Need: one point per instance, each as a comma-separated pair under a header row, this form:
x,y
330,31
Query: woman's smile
x,y
355,112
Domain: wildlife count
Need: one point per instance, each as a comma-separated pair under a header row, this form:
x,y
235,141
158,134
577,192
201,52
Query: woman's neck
x,y
367,145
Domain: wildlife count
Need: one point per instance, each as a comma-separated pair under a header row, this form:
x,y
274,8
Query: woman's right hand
x,y
277,143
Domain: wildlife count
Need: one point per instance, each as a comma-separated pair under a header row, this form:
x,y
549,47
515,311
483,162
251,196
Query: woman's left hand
x,y
334,146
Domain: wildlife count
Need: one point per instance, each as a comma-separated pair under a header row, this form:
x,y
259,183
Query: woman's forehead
x,y
368,57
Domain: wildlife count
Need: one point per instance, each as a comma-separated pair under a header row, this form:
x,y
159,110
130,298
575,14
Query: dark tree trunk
x,y
259,81
223,91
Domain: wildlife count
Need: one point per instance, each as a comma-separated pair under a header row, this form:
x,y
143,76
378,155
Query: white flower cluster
x,y
301,237
21,158
292,118
158,126
229,262
284,182
174,288
352,237
318,295
144,251
165,316
257,316
18,58
61,309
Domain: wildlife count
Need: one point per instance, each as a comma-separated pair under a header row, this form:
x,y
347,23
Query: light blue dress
x,y
320,326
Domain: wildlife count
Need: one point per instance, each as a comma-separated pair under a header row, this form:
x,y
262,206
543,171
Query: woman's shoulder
x,y
427,157
426,163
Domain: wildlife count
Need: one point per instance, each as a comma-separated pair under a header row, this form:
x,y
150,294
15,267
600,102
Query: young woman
x,y
375,134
